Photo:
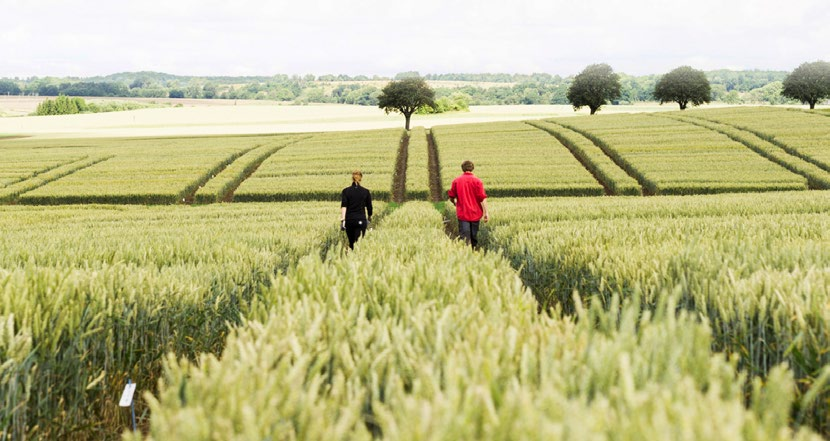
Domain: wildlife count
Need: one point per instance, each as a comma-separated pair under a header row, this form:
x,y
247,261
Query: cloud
x,y
380,37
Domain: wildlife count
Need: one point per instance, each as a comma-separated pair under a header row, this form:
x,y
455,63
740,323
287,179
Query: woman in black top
x,y
356,201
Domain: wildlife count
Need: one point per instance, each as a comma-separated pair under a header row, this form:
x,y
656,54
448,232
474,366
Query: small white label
x,y
127,396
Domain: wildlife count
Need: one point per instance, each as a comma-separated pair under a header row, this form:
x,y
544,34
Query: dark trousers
x,y
354,230
469,231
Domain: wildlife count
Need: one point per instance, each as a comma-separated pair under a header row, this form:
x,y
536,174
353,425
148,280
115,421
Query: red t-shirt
x,y
470,193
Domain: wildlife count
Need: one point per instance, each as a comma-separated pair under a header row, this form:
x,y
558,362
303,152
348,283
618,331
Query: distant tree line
x,y
732,87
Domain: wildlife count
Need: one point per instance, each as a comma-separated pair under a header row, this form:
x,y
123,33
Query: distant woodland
x,y
732,87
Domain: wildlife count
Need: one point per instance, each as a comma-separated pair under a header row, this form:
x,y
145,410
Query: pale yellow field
x,y
229,117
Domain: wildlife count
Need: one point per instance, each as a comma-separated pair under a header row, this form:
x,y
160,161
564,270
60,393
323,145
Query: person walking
x,y
467,193
355,204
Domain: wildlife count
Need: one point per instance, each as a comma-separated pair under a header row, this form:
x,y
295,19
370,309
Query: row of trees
x,y
733,87
597,85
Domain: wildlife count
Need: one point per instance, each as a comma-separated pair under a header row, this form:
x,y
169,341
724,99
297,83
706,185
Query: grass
x,y
110,290
619,317
747,264
413,323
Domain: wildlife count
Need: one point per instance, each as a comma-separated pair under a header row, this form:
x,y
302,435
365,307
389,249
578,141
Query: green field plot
x,y
18,164
676,157
817,177
756,267
802,134
413,336
11,193
513,159
615,180
145,171
92,295
220,187
320,166
417,171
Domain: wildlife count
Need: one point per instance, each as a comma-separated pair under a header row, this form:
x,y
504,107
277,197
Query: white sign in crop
x,y
127,396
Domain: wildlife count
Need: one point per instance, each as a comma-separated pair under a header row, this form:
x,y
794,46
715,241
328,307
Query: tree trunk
x,y
682,105
593,109
812,105
407,116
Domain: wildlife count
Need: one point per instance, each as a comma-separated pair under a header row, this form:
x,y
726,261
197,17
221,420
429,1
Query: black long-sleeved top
x,y
356,198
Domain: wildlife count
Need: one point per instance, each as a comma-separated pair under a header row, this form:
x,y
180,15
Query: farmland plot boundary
x,y
435,187
649,187
817,178
622,184
218,190
772,140
15,192
36,173
188,194
401,161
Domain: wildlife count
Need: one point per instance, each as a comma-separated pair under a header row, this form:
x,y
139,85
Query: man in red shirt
x,y
467,193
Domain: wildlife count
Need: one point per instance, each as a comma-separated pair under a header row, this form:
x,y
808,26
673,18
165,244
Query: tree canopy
x,y
406,96
8,87
594,86
809,83
683,85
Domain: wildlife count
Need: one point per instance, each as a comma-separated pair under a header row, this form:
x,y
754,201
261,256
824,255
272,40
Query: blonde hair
x,y
357,176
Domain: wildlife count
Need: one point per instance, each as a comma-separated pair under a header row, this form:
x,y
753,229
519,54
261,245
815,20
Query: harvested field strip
x,y
399,176
613,178
13,192
648,186
817,178
220,187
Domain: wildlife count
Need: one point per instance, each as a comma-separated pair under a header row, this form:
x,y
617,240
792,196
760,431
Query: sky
x,y
383,37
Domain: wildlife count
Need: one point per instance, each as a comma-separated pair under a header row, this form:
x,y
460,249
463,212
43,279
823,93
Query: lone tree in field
x,y
593,87
683,85
406,96
809,83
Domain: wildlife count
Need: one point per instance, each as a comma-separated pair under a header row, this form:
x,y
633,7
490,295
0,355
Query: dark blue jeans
x,y
469,231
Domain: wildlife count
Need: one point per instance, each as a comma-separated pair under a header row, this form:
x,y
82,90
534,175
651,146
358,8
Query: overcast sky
x,y
384,37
